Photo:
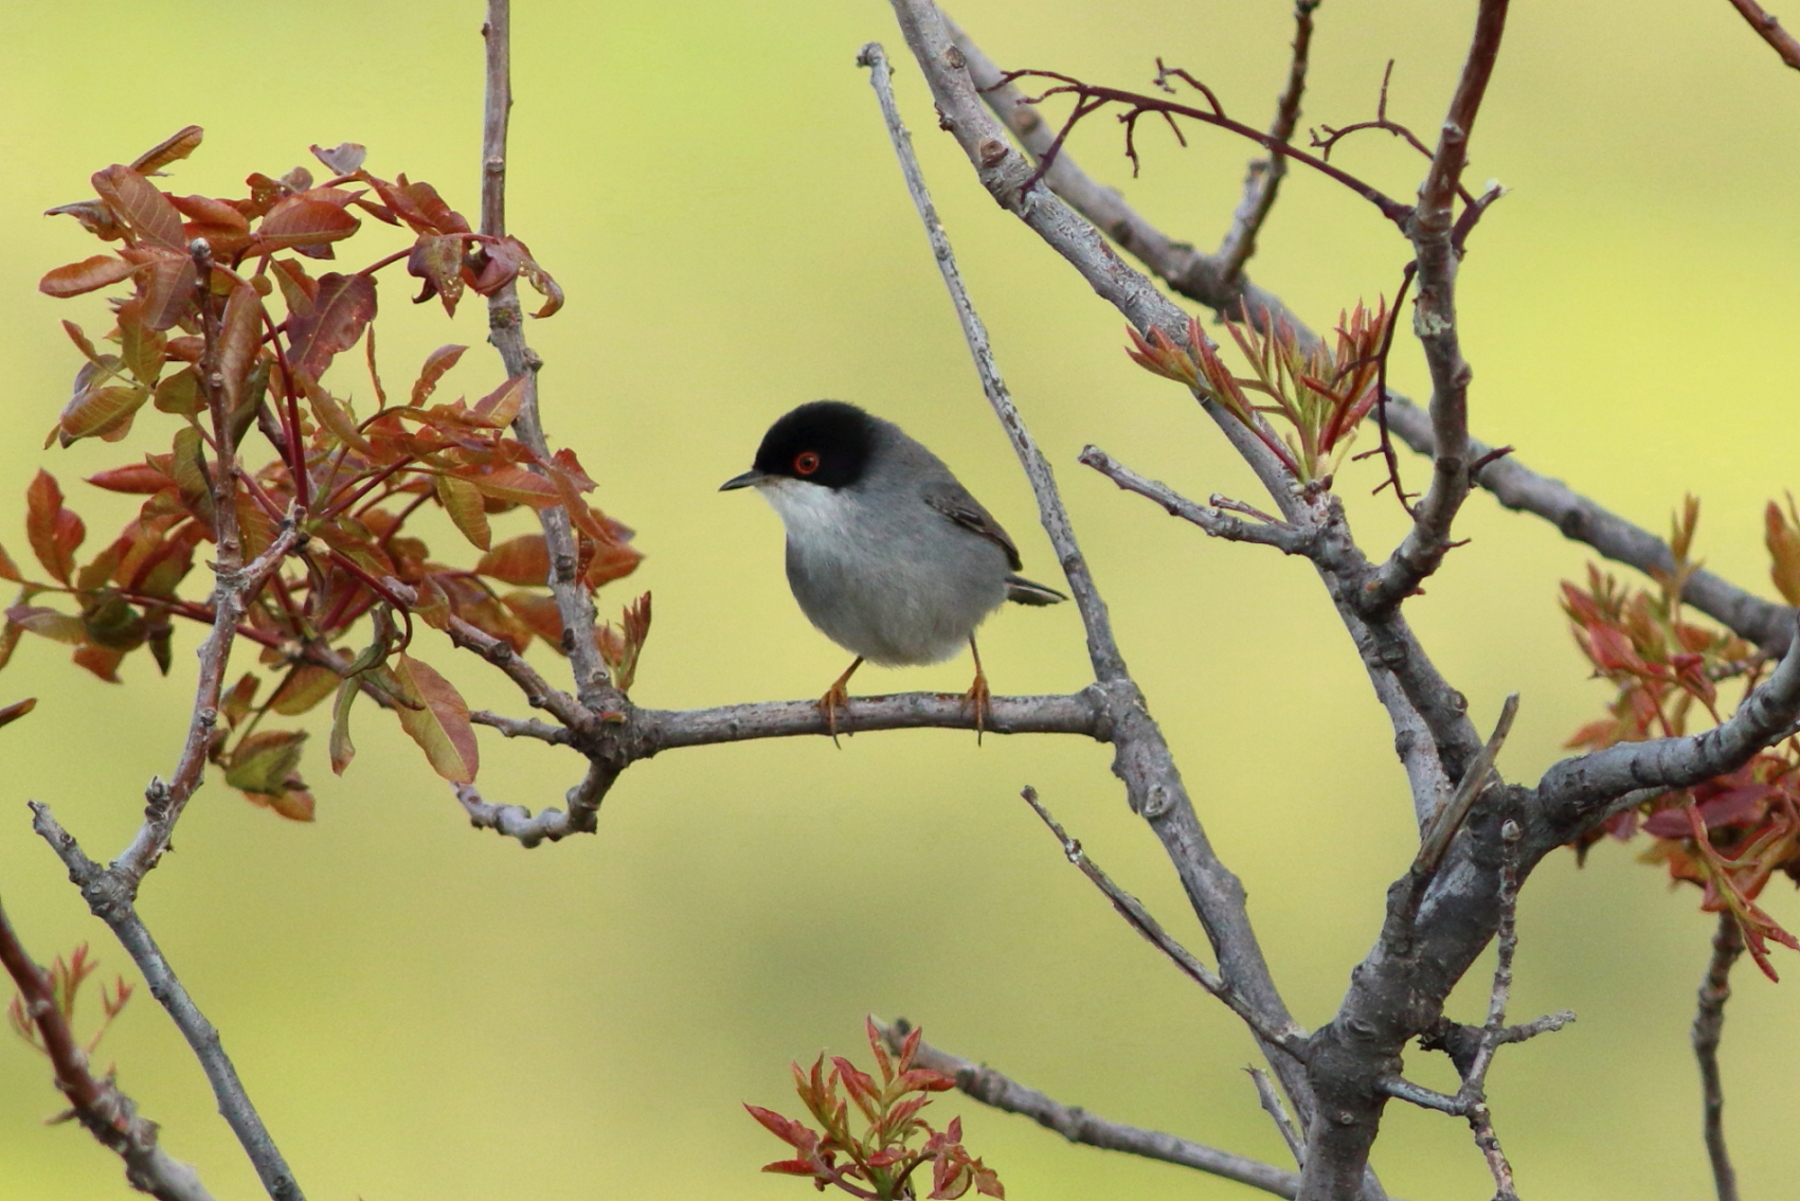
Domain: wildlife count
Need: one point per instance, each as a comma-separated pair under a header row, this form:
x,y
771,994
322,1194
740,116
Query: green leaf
x,y
304,688
265,761
463,501
342,749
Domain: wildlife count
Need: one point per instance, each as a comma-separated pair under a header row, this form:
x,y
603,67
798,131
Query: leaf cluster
x,y
1731,834
1320,392
227,333
66,978
879,1162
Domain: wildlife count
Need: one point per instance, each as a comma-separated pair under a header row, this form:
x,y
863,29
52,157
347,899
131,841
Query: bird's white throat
x,y
810,512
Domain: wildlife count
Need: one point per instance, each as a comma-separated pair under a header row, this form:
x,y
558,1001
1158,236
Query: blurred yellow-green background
x,y
421,1010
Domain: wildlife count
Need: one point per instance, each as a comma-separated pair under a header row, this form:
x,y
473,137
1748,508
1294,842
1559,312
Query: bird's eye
x,y
805,463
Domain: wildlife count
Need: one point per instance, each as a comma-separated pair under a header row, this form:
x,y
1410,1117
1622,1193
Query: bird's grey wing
x,y
954,502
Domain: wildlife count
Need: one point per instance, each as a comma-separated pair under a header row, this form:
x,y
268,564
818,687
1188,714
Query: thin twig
x,y
1270,1100
107,1113
1079,1126
1291,1039
1265,175
1289,539
1709,1024
1474,782
109,895
1768,27
593,684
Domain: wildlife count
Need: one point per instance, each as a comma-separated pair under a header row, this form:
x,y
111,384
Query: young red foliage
x,y
1729,835
239,357
879,1162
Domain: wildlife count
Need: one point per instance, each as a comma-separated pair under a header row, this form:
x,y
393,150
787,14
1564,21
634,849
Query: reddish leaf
x,y
436,364
240,342
141,348
99,411
8,569
170,290
1783,539
54,531
146,211
101,662
294,803
86,276
303,221
335,417
539,613
17,709
499,407
441,725
521,560
427,201
343,306
516,485
9,641
437,259
171,149
94,216
305,688
132,478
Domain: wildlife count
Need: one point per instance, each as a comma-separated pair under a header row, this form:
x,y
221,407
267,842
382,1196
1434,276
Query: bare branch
x,y
107,1113
1437,253
1142,758
1709,1024
1768,27
1197,276
1291,1039
506,331
165,801
1265,175
109,895
1288,539
1079,1126
1573,790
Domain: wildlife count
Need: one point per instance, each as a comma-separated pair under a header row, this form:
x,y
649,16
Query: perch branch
x,y
106,1113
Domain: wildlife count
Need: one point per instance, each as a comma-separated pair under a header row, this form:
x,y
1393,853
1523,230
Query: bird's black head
x,y
826,442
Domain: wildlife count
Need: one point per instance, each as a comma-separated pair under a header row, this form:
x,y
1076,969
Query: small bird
x,y
887,553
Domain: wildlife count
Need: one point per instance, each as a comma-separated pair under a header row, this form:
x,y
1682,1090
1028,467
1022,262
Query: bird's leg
x,y
837,697
978,694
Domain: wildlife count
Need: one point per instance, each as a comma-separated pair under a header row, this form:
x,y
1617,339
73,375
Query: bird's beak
x,y
749,479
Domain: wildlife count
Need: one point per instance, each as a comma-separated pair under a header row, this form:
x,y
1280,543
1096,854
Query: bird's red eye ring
x,y
805,463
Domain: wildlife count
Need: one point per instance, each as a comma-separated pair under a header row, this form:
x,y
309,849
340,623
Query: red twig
x,y
1090,98
108,1114
1266,174
1768,27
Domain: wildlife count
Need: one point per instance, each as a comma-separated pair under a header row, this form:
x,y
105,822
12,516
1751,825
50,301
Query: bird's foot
x,y
837,697
980,697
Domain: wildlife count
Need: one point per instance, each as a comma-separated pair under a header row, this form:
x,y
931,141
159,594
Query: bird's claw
x,y
981,698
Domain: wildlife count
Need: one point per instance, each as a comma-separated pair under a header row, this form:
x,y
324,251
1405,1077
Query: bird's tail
x,y
1028,592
